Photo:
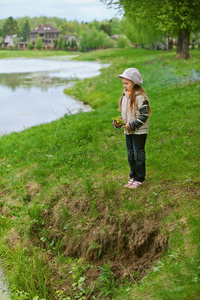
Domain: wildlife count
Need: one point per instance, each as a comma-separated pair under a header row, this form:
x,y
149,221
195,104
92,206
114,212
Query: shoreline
x,y
4,294
76,106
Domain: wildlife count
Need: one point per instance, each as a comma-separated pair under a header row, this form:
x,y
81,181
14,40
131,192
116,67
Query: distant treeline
x,y
111,33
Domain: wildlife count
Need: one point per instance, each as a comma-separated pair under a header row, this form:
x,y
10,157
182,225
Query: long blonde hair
x,y
136,89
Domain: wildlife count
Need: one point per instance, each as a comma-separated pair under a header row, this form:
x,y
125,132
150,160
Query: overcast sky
x,y
80,10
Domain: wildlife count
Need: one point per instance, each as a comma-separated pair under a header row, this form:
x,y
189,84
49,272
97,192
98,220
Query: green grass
x,y
62,195
33,53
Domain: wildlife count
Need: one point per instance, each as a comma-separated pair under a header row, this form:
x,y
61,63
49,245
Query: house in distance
x,y
8,41
47,33
71,40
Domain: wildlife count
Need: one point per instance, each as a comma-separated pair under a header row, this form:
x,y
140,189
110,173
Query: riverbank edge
x,y
4,291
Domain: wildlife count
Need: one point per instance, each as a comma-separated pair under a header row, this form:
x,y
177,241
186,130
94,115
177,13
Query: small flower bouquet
x,y
117,122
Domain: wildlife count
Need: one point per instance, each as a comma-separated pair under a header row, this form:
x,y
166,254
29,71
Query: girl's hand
x,y
127,126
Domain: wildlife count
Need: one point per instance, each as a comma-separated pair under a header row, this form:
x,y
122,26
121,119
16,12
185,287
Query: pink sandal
x,y
129,182
135,184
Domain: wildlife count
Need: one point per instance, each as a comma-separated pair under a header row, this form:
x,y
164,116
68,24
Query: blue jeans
x,y
135,145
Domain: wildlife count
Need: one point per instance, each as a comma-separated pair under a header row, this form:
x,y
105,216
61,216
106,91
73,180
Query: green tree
x,y
92,39
109,43
39,44
123,42
116,26
178,17
25,31
96,24
10,27
55,43
106,27
141,34
68,28
77,28
30,46
61,44
73,43
1,27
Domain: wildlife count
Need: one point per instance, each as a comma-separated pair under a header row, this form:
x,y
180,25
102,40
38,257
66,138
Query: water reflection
x,y
32,90
27,80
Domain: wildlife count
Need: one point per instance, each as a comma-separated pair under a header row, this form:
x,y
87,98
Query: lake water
x,y
31,90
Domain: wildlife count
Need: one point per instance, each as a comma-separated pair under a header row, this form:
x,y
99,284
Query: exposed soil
x,y
131,245
129,242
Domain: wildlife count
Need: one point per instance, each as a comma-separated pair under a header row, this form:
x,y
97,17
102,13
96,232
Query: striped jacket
x,y
138,118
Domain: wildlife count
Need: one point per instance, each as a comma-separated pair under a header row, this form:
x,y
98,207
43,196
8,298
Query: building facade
x,y
8,41
47,33
71,39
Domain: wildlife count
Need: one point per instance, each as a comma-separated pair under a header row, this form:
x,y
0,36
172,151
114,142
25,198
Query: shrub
x,y
30,46
109,43
123,42
39,44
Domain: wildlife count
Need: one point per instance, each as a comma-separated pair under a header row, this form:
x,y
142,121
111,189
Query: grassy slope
x,y
62,180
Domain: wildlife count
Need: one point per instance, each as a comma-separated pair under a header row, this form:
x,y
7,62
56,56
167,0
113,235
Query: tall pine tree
x,y
10,27
25,31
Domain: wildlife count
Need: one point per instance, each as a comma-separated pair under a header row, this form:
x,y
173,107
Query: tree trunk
x,y
199,42
167,42
179,45
193,40
183,44
186,44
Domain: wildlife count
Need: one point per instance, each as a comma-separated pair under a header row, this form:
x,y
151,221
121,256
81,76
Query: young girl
x,y
135,109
